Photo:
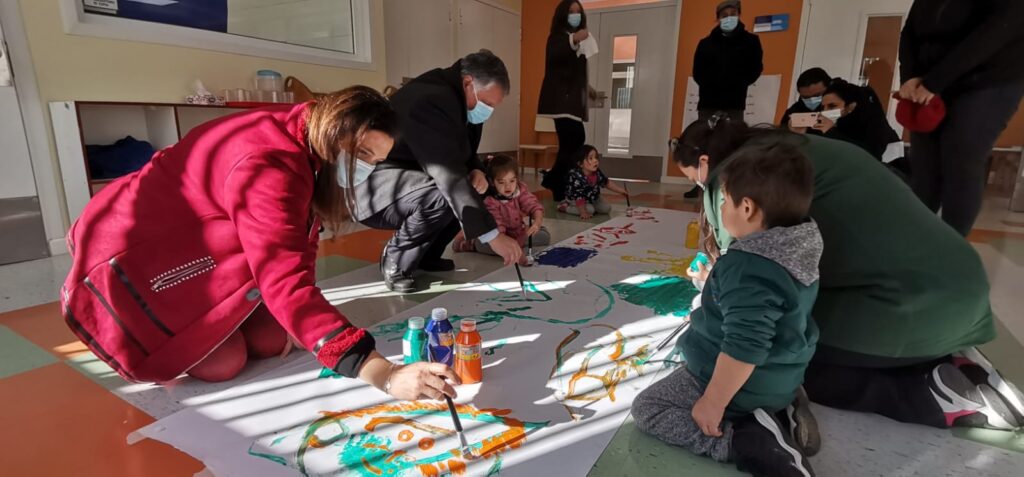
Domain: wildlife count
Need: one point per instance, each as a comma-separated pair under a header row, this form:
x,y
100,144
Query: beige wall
x,y
80,68
514,5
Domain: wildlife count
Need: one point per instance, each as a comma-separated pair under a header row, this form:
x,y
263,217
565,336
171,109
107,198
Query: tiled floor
x,y
56,393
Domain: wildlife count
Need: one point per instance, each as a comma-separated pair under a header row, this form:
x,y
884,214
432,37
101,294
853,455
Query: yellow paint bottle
x,y
693,235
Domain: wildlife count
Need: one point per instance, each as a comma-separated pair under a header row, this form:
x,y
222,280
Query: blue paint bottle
x,y
441,338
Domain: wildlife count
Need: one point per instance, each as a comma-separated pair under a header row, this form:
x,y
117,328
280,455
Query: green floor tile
x,y
632,452
332,266
1011,441
91,367
18,354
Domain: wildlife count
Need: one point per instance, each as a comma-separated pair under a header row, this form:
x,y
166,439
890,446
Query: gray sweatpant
x,y
600,207
663,411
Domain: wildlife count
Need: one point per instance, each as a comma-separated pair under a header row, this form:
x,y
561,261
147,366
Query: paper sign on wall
x,y
769,23
762,100
103,6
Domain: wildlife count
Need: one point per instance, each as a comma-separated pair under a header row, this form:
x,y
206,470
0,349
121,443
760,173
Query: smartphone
x,y
803,120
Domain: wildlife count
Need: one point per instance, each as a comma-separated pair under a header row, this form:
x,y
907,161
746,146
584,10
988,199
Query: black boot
x,y
693,193
395,279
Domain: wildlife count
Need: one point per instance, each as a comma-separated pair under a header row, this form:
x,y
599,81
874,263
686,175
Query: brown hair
x,y
499,164
336,118
777,177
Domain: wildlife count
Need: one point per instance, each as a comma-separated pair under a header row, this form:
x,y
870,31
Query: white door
x,y
484,26
636,70
418,37
21,223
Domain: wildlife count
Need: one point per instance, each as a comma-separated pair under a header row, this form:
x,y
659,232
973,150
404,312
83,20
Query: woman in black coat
x,y
852,114
563,94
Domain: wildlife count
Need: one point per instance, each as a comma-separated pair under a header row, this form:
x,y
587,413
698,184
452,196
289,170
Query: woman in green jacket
x,y
901,291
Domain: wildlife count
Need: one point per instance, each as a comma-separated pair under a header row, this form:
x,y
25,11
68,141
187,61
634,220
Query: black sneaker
x,y
693,193
980,371
798,419
437,265
761,446
966,404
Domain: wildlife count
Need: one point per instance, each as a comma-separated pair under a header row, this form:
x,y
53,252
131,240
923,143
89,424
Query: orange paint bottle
x,y
467,353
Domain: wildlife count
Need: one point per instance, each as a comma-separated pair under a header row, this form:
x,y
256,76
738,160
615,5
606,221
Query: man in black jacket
x,y
726,63
433,180
968,52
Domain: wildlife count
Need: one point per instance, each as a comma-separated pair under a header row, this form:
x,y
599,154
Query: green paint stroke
x,y
273,458
495,467
493,318
326,372
665,295
517,296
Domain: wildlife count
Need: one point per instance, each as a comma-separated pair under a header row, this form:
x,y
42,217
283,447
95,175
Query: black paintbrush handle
x,y
626,188
529,245
455,415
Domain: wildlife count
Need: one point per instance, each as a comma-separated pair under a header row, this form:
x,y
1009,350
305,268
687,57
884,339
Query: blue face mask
x,y
482,111
812,103
363,171
575,19
729,23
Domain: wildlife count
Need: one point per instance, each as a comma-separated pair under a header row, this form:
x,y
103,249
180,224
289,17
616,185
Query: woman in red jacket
x,y
205,257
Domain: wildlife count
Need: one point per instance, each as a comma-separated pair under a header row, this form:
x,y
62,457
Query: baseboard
x,y
58,247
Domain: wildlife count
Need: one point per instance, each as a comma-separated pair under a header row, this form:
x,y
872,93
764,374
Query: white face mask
x,y
833,114
362,173
699,182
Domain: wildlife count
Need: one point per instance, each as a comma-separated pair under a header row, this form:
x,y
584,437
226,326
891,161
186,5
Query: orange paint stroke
x,y
372,425
396,454
426,443
405,435
610,379
368,466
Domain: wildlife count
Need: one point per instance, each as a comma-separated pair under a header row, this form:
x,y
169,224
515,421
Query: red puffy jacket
x,y
170,260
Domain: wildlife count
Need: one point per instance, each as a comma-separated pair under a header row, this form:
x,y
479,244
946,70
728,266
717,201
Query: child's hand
x,y
585,214
533,229
701,274
708,416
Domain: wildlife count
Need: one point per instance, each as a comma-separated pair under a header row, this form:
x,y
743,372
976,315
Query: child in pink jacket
x,y
509,202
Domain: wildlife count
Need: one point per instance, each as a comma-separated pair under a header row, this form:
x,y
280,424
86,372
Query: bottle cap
x,y
438,314
416,323
468,325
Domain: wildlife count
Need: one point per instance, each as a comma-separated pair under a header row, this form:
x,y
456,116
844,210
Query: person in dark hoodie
x,y
968,52
725,64
811,86
751,339
850,115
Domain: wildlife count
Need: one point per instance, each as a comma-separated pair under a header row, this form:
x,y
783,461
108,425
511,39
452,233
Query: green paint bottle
x,y
414,343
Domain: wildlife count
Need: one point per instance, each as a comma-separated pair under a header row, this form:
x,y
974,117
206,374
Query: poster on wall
x,y
202,14
762,100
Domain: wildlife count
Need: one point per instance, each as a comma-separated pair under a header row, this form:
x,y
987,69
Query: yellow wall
x,y
81,68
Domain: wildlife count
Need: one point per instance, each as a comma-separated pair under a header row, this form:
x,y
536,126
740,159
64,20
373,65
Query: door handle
x,y
599,99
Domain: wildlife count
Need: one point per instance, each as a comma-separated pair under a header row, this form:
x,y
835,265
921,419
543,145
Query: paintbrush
x,y
522,284
529,246
467,452
626,188
668,340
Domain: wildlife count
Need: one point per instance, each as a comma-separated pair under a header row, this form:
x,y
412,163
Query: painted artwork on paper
x,y
562,363
411,439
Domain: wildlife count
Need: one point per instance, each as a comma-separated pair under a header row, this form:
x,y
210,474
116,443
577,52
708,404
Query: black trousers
x,y
892,387
424,225
949,164
571,137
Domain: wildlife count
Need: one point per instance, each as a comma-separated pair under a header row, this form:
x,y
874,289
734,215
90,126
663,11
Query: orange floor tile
x,y
67,425
363,245
44,326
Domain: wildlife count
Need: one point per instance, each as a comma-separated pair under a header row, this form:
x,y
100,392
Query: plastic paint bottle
x,y
693,235
702,259
467,353
440,336
414,343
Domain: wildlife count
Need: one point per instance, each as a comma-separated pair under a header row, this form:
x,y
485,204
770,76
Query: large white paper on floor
x,y
562,367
